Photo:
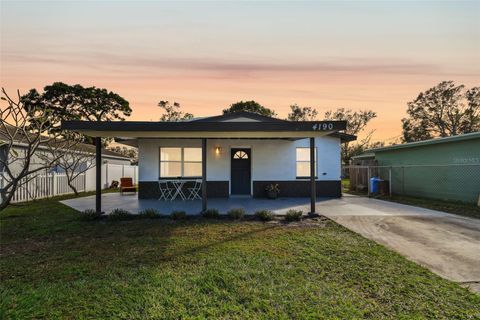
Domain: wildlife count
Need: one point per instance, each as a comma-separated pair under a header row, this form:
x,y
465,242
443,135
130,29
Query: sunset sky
x,y
206,55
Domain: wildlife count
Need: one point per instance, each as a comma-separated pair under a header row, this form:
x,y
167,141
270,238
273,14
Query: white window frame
x,y
302,161
181,161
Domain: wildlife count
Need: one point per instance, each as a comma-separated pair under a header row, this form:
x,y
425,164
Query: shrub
x,y
293,215
89,215
178,215
264,215
120,214
211,213
149,214
236,213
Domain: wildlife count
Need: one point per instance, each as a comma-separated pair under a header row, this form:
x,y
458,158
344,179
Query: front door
x,y
240,171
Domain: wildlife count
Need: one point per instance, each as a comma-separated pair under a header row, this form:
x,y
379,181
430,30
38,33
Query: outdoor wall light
x,y
218,150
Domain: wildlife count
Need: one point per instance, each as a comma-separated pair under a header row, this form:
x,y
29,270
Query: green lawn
x,y
54,265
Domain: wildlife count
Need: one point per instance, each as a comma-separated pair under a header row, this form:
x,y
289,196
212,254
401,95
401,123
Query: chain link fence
x,y
457,182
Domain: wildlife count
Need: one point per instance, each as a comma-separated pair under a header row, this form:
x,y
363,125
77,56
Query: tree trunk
x,y
7,196
73,188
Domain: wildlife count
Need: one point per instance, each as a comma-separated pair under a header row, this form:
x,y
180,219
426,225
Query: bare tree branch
x,y
29,144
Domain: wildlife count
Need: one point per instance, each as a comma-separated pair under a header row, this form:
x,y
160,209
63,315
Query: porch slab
x,y
131,203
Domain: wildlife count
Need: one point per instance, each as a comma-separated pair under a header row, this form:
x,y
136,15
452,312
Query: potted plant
x,y
272,190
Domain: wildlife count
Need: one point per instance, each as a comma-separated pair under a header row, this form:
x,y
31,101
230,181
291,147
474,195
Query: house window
x,y
180,162
303,162
240,155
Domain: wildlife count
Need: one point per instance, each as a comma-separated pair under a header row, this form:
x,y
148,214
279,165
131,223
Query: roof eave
x,y
205,129
462,137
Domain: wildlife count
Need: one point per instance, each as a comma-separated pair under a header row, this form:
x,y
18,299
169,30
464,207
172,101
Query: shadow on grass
x,y
204,247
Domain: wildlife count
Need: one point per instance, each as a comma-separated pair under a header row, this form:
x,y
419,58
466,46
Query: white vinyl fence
x,y
44,186
54,184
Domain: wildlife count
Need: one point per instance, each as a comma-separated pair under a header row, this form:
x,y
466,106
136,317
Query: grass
x,y
55,265
455,207
345,185
460,208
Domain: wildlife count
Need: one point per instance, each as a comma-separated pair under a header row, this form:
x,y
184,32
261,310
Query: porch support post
x,y
313,193
98,174
204,174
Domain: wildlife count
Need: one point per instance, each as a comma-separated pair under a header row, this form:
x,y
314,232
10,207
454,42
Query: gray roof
x,y
460,137
80,146
366,155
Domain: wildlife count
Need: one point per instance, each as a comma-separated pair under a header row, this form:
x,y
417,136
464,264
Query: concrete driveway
x,y
447,244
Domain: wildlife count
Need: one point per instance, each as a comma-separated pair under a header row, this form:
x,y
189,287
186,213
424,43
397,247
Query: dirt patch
x,y
306,222
24,247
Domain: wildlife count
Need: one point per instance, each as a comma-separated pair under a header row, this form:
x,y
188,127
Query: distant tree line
x,y
442,111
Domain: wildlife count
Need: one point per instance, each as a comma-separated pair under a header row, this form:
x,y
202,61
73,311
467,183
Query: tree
x,y
172,112
29,142
67,102
75,161
356,123
442,111
298,113
250,106
131,153
363,145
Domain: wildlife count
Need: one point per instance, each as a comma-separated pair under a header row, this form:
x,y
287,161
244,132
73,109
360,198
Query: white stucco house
x,y
233,155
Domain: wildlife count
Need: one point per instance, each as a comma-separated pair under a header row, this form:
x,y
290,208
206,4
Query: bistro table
x,y
178,186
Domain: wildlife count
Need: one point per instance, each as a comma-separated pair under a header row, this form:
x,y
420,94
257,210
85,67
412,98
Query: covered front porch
x,y
224,157
133,204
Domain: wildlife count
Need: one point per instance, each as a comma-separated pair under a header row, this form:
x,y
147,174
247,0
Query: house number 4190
x,y
323,126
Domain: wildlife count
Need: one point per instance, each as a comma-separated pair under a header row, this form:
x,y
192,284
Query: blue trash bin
x,y
374,184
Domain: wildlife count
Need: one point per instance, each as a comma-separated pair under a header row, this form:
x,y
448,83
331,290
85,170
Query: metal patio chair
x,y
165,190
194,192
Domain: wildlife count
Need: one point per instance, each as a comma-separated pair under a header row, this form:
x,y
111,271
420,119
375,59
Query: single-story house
x,y
11,156
442,168
233,155
19,144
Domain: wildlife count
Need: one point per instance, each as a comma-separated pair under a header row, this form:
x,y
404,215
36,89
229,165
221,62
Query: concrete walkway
x,y
447,244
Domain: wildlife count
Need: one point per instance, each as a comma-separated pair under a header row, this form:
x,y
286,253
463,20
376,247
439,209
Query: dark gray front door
x,y
240,171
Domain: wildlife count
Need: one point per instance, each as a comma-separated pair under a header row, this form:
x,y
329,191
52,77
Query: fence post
x,y
106,175
403,180
55,184
356,178
368,180
123,170
47,187
390,181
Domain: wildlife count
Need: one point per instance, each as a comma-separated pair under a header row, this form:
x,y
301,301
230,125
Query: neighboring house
x,y
108,157
444,168
38,160
241,153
